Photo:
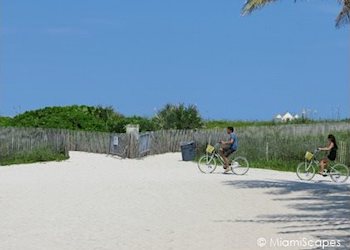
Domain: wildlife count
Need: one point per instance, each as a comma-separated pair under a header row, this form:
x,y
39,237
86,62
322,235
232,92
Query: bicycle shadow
x,y
323,208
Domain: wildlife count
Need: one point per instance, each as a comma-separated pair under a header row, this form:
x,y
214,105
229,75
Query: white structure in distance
x,y
286,117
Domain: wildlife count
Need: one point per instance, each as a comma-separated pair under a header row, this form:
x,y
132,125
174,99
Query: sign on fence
x,y
118,145
115,140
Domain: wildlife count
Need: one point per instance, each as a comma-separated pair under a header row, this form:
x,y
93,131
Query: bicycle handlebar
x,y
316,150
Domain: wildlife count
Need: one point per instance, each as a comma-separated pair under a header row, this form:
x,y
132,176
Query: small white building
x,y
286,117
278,118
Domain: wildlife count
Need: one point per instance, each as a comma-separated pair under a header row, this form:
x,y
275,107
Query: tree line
x,y
105,119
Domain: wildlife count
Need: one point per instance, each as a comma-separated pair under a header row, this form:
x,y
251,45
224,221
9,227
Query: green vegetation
x,y
236,124
211,124
69,117
37,155
105,119
5,121
272,149
118,125
178,117
88,118
267,144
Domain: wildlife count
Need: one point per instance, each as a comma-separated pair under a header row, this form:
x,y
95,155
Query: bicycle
x,y
208,162
306,170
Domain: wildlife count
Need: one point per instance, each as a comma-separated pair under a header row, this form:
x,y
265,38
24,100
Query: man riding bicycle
x,y
228,147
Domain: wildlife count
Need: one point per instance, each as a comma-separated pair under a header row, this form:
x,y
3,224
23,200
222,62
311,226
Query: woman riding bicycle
x,y
332,153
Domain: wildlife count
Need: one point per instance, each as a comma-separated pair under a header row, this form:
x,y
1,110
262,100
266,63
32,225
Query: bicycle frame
x,y
208,162
317,162
216,155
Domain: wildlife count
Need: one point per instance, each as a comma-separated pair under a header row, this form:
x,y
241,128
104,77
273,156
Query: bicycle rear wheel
x,y
207,164
339,173
306,171
240,165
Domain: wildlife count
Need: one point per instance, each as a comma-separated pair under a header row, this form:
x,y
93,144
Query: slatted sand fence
x,y
170,140
15,140
297,129
282,142
97,142
93,142
164,141
270,143
289,142
21,140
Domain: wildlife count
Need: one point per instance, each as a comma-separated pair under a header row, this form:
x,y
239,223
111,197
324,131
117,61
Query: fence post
x,y
267,151
133,133
342,150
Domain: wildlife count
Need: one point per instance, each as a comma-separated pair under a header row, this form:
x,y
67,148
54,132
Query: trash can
x,y
188,151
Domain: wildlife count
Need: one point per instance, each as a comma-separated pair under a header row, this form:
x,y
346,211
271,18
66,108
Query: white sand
x,y
97,202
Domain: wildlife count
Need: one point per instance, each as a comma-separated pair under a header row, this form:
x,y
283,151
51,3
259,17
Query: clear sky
x,y
138,55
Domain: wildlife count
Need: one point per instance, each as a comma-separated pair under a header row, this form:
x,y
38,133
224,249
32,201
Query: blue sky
x,y
139,55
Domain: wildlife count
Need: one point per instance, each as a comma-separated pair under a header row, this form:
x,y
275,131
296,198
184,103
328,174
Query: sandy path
x,y
102,203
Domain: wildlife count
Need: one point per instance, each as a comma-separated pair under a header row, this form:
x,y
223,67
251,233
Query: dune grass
x,y
37,155
279,165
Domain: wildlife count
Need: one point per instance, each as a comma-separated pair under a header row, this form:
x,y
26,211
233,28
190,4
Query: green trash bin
x,y
188,150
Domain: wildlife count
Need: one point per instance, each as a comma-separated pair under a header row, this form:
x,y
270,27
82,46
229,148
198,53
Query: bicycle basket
x,y
309,156
210,149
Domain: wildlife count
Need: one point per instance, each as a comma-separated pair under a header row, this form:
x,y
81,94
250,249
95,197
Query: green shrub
x,y
119,125
178,117
5,121
68,117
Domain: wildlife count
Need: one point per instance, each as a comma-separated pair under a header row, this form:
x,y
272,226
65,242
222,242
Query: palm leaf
x,y
251,5
342,18
344,15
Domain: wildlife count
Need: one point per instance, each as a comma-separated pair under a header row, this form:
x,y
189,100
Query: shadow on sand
x,y
322,209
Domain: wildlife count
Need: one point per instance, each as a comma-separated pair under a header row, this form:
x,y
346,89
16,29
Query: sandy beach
x,y
99,202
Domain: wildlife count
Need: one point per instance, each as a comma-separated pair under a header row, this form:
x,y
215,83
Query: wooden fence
x,y
18,140
96,142
287,142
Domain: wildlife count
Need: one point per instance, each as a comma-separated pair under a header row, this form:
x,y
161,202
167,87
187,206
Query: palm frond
x,y
252,5
344,15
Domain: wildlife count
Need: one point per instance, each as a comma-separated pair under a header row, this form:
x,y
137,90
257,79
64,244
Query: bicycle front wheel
x,y
339,173
207,164
240,165
306,171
